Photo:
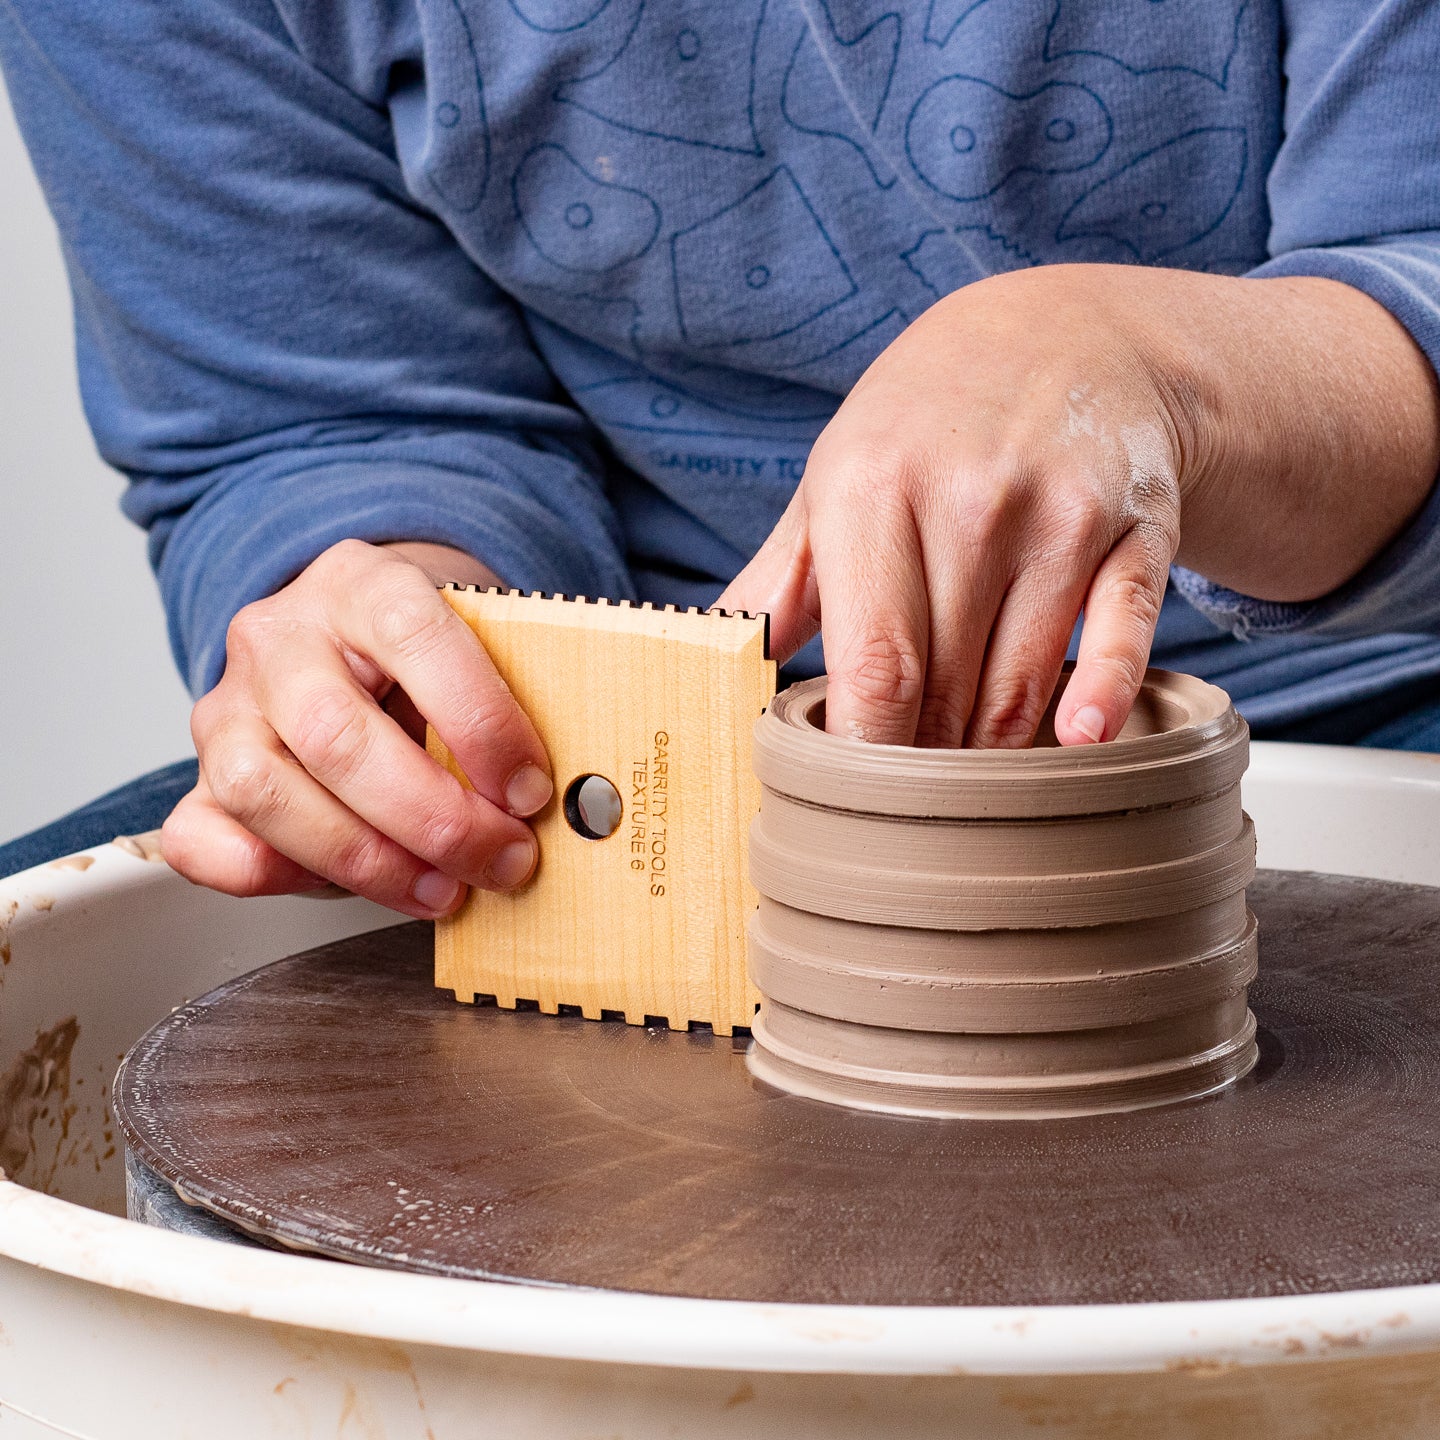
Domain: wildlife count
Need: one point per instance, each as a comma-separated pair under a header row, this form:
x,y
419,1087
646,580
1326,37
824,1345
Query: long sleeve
x,y
277,345
1355,197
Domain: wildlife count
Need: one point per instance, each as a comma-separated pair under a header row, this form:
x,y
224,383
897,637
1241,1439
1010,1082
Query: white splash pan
x,y
110,1329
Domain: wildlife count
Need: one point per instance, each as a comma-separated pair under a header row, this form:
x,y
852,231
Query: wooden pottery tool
x,y
638,905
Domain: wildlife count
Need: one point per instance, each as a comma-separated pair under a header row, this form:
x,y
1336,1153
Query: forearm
x,y
1307,421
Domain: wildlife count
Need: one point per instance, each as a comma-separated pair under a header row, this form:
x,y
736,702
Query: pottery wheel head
x,y
337,1102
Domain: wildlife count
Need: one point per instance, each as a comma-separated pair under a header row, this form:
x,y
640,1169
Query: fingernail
x,y
528,790
512,864
435,891
1089,720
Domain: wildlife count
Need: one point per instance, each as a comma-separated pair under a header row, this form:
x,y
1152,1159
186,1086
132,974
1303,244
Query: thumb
x,y
780,582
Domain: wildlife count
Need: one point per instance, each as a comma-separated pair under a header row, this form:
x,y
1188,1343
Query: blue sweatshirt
x,y
574,284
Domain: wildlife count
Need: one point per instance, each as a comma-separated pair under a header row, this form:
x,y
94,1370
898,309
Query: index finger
x,y
406,627
875,619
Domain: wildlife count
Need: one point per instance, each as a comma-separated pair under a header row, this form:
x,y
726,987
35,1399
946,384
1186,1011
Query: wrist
x,y
445,563
1309,424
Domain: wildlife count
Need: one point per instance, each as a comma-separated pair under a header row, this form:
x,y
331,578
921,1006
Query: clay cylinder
x,y
1004,933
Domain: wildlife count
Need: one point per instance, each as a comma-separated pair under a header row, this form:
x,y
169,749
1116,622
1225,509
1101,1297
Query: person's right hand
x,y
312,759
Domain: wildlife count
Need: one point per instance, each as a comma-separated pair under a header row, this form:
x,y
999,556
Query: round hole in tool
x,y
592,807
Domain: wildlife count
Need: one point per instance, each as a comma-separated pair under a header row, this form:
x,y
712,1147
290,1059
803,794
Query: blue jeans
x,y
1418,729
143,804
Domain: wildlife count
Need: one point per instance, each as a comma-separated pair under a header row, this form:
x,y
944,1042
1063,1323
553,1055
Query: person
x,y
963,332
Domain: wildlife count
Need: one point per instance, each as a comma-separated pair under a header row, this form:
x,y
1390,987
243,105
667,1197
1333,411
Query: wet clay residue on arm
x,y
39,1075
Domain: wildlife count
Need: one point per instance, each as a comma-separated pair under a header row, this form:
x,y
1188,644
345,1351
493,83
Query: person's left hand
x,y
1008,461
1023,452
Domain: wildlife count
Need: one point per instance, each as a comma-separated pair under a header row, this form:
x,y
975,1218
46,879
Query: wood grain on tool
x,y
338,1102
648,921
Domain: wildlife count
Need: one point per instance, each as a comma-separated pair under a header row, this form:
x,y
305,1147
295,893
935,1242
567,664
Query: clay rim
x,y
960,1003
1005,902
1144,1088
1205,754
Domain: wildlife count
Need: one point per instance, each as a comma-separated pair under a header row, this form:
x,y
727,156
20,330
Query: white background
x,y
88,694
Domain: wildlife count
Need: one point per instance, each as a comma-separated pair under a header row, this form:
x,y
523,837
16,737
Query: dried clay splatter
x,y
73,862
7,914
42,1072
142,847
